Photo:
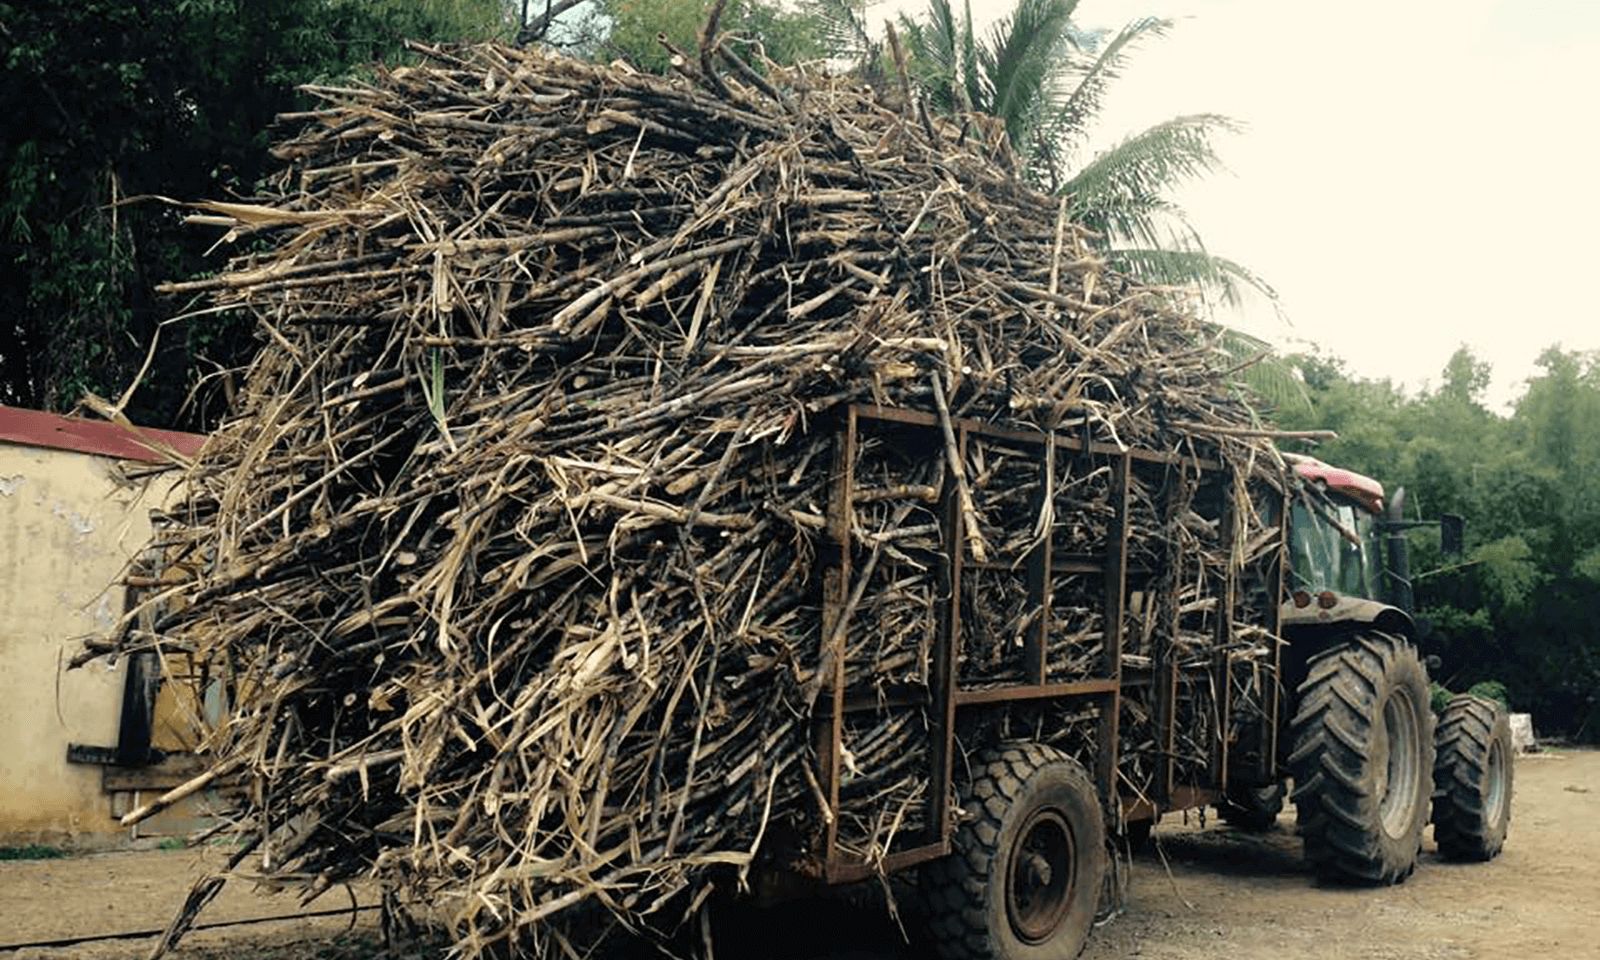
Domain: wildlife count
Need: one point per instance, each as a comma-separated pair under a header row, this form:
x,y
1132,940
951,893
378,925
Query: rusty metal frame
x,y
1278,575
835,590
1222,635
944,697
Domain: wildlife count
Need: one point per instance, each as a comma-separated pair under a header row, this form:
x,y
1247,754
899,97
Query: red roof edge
x,y
36,428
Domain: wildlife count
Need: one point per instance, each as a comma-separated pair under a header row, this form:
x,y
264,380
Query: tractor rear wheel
x,y
1472,779
1254,809
1363,759
1024,872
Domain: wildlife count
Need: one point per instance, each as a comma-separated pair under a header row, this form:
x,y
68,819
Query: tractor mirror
x,y
1452,534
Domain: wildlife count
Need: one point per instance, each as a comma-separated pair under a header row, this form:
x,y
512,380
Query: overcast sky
x,y
1415,174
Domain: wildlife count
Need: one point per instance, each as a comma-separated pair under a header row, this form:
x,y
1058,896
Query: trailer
x,y
1130,678
1153,658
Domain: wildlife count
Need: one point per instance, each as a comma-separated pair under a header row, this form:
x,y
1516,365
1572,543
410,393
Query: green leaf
x,y
1145,165
1070,119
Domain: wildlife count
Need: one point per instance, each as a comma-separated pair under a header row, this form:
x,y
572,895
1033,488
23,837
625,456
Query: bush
x,y
32,851
1491,690
1438,696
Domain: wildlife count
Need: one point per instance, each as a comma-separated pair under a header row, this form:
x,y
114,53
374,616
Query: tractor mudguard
x,y
1351,611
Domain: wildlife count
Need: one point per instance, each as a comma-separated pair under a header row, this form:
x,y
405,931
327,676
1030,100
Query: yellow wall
x,y
67,527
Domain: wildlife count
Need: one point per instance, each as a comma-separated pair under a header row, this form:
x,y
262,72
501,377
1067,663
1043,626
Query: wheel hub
x,y
1495,806
1395,756
1041,877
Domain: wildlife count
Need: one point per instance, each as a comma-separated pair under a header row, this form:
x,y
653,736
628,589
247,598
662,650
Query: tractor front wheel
x,y
1363,759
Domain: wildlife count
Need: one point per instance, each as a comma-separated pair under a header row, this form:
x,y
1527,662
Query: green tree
x,y
628,30
1046,80
1518,609
109,101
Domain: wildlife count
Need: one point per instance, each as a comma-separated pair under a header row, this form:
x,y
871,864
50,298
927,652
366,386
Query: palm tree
x,y
1046,79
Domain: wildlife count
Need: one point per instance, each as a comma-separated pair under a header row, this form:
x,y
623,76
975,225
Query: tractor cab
x,y
1349,561
1335,537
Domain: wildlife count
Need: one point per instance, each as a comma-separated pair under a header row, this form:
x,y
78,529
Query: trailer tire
x,y
1472,779
1024,873
1253,809
1363,759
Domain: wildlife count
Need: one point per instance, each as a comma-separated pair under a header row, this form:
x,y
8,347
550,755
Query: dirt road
x,y
1248,897
1220,893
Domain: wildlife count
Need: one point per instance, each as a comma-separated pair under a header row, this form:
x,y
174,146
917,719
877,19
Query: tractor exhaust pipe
x,y
1399,550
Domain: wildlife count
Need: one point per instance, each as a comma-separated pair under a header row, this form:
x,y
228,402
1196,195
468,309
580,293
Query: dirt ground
x,y
1216,893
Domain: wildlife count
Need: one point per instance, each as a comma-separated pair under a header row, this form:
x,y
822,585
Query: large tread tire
x,y
1472,779
966,894
1357,825
1252,809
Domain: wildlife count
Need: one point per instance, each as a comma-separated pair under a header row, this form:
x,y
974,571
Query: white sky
x,y
1415,174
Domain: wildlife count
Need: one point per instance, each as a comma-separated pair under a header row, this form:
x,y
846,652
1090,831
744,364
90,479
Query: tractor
x,y
1360,741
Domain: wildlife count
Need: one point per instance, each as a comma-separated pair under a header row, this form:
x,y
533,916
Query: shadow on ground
x,y
1224,850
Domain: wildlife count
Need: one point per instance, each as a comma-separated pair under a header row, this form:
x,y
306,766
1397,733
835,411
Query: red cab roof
x,y
1363,490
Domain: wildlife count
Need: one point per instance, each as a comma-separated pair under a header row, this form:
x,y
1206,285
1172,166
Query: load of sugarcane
x,y
505,554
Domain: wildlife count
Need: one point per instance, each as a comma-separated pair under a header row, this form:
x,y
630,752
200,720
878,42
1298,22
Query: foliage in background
x,y
1046,79
105,101
1491,690
626,30
1519,607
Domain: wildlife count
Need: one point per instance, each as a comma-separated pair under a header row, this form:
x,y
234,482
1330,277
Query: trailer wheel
x,y
1024,872
1254,809
1363,760
1472,779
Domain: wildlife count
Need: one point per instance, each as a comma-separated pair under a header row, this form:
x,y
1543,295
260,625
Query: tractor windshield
x,y
1324,556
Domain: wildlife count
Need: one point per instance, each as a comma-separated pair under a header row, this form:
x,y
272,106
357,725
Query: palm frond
x,y
1086,40
842,25
1137,220
1192,266
934,41
967,66
1022,62
1150,162
1253,364
1071,118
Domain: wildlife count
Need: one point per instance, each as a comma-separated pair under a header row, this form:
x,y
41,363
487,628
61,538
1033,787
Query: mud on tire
x,y
1472,777
1024,873
1363,760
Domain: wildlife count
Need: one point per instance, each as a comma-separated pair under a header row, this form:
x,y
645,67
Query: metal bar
x,y
854,870
1076,688
1035,645
1116,588
867,699
982,429
835,591
947,662
1222,636
1275,625
1167,688
1183,798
